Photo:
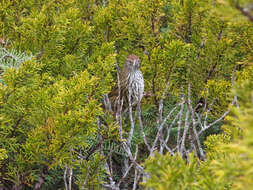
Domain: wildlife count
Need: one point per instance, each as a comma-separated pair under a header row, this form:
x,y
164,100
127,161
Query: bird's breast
x,y
136,85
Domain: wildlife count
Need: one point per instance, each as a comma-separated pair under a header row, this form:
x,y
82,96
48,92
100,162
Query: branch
x,y
128,169
107,103
202,44
207,112
136,179
65,177
160,127
160,110
244,12
70,178
213,123
232,82
129,153
119,104
107,168
205,106
186,128
130,116
202,155
141,126
168,135
180,123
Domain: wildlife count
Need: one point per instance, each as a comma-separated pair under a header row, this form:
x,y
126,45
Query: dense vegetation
x,y
59,60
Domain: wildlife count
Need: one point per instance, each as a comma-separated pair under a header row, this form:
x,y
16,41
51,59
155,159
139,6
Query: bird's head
x,y
133,62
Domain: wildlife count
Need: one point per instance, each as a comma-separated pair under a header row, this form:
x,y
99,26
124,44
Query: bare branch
x,y
160,127
160,110
207,112
129,153
213,123
112,182
130,117
107,103
141,126
186,128
244,11
205,106
168,134
136,179
118,113
70,178
120,103
107,168
125,174
65,177
232,82
119,120
180,124
202,44
202,155
198,117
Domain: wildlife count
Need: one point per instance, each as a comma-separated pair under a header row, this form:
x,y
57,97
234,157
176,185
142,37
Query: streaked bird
x,y
131,82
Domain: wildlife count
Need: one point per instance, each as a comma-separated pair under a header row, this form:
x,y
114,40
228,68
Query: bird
x,y
131,83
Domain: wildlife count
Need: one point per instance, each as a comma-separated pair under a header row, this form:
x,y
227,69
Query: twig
x,y
107,103
70,178
125,174
207,112
205,105
136,178
186,128
101,143
118,113
130,117
160,110
213,123
194,124
202,44
128,169
119,104
160,127
168,135
65,177
141,126
232,82
179,124
244,12
202,155
198,117
129,153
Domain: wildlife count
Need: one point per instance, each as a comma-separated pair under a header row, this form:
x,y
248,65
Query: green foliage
x,y
229,154
50,105
3,154
59,61
217,94
229,9
91,176
41,131
237,166
171,172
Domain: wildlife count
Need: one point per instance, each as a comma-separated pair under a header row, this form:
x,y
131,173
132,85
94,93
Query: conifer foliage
x,y
59,60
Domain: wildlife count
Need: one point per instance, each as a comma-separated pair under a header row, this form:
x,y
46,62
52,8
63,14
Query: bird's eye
x,y
129,62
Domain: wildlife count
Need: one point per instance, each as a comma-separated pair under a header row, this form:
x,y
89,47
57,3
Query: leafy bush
x,y
229,154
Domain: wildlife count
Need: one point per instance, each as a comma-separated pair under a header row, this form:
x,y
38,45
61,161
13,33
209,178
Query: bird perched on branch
x,y
131,83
